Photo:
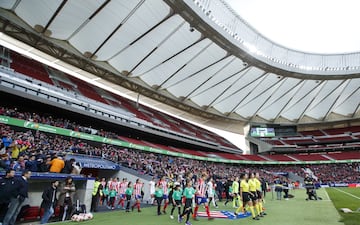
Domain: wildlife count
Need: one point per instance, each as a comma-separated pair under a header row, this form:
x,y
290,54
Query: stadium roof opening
x,y
326,27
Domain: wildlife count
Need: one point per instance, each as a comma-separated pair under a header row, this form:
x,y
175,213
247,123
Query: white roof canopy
x,y
201,54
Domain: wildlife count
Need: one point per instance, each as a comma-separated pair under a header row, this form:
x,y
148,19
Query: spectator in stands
x,y
66,198
76,168
4,162
56,164
32,164
7,187
19,194
6,140
2,147
68,168
19,164
49,201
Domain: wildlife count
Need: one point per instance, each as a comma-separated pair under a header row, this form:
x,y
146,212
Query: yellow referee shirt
x,y
244,186
252,185
258,184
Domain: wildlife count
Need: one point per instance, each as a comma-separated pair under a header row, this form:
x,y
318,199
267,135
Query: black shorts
x,y
177,203
253,196
188,203
128,197
259,194
245,197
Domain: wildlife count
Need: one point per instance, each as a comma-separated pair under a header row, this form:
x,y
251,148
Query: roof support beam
x,y
143,35
262,78
118,27
156,47
88,20
282,80
54,15
200,70
323,83
202,38
337,98
301,83
226,89
210,77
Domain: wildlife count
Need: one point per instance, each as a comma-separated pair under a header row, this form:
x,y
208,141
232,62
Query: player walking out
x,y
122,188
176,198
235,193
137,192
259,194
253,194
166,193
128,192
244,193
159,196
211,192
201,197
189,193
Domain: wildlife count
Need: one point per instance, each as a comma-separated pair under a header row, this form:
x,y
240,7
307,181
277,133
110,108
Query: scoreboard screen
x,y
262,132
272,130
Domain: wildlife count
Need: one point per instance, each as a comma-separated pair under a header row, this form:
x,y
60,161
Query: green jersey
x,y
112,193
129,191
176,195
106,191
189,192
159,192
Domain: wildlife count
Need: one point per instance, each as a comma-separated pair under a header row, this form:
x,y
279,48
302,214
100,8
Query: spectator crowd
x,y
42,152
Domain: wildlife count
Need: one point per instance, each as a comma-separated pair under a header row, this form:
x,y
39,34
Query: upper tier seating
x,y
38,71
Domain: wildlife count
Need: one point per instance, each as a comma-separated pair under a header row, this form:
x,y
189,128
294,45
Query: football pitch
x,y
295,211
346,198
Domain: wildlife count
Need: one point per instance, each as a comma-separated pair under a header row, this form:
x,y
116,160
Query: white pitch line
x,y
354,196
327,195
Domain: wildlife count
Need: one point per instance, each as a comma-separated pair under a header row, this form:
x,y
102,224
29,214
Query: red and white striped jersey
x,y
201,188
164,186
113,185
122,187
137,188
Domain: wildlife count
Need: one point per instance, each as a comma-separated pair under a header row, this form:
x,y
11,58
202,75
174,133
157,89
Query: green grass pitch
x,y
295,211
346,198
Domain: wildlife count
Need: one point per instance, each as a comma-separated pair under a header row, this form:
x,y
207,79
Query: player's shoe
x,y
171,217
187,223
180,219
256,218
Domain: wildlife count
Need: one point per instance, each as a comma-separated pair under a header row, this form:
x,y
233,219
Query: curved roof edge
x,y
253,47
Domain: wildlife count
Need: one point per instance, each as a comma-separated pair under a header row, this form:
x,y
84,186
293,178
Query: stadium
x,y
148,90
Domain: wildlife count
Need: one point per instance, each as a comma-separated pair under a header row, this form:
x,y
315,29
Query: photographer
x,y
310,188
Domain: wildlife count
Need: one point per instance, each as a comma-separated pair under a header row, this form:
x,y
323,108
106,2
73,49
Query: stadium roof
x,y
197,56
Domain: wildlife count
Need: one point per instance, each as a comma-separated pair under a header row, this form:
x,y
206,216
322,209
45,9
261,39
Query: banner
x,y
70,133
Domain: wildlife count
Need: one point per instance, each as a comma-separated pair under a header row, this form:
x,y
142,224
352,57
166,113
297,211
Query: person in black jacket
x,y
49,201
7,185
18,196
68,168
